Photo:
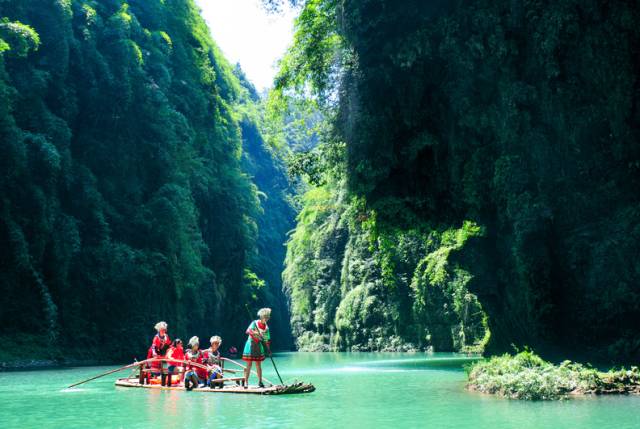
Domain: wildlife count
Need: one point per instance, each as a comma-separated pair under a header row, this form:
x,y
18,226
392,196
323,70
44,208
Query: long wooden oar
x,y
110,372
274,363
140,363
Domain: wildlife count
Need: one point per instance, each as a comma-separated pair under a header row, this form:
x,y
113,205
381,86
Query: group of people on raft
x,y
201,368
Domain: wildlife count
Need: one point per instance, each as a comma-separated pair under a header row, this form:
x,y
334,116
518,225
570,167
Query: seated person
x,y
175,366
213,360
194,375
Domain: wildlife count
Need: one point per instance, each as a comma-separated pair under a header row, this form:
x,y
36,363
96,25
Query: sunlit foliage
x,y
353,287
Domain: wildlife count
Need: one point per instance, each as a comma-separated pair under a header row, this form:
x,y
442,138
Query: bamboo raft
x,y
287,389
238,386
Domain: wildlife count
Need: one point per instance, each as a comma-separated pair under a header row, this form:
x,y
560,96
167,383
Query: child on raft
x,y
254,349
213,360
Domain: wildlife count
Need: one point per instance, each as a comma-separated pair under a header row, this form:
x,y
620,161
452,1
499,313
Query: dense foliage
x,y
519,116
266,166
355,288
527,376
123,195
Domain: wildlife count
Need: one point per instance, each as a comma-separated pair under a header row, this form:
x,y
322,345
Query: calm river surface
x,y
358,390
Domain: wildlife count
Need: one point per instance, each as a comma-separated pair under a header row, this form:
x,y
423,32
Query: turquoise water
x,y
357,390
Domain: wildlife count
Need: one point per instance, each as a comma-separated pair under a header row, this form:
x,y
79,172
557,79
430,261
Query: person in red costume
x,y
159,347
176,352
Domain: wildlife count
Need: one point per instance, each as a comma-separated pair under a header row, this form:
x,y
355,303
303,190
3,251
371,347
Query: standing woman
x,y
159,348
259,337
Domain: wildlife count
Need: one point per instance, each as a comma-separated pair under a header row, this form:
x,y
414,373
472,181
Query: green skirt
x,y
253,352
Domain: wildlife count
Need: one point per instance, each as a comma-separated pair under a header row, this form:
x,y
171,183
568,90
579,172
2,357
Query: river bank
x,y
31,352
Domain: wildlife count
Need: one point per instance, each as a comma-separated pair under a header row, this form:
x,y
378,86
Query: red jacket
x,y
176,353
160,344
156,348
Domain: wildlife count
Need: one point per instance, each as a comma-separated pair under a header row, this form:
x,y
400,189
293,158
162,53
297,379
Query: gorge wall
x,y
519,117
131,182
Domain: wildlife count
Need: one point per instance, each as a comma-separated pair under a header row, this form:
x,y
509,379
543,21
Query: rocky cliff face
x,y
353,287
523,117
519,117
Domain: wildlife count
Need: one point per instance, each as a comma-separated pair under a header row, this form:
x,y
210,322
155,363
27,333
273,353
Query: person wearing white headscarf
x,y
159,347
254,349
213,360
194,375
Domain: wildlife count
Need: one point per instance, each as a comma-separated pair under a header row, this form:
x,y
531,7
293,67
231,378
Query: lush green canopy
x,y
134,182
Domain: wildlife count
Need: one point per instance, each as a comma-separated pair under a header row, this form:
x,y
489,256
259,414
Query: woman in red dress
x,y
159,347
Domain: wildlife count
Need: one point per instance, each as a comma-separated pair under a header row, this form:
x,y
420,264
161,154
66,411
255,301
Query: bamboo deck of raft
x,y
255,390
134,381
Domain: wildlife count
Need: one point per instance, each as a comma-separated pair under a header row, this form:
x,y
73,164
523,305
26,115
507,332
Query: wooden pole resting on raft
x,y
110,372
234,362
252,371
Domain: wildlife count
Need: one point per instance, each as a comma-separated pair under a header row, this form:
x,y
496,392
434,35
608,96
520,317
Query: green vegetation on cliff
x,y
124,191
268,171
521,117
353,287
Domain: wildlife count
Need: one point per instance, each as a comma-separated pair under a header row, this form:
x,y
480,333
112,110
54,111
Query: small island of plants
x,y
527,376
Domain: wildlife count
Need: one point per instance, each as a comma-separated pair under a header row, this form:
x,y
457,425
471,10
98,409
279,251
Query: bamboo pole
x,y
273,362
110,372
255,373
252,371
234,362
